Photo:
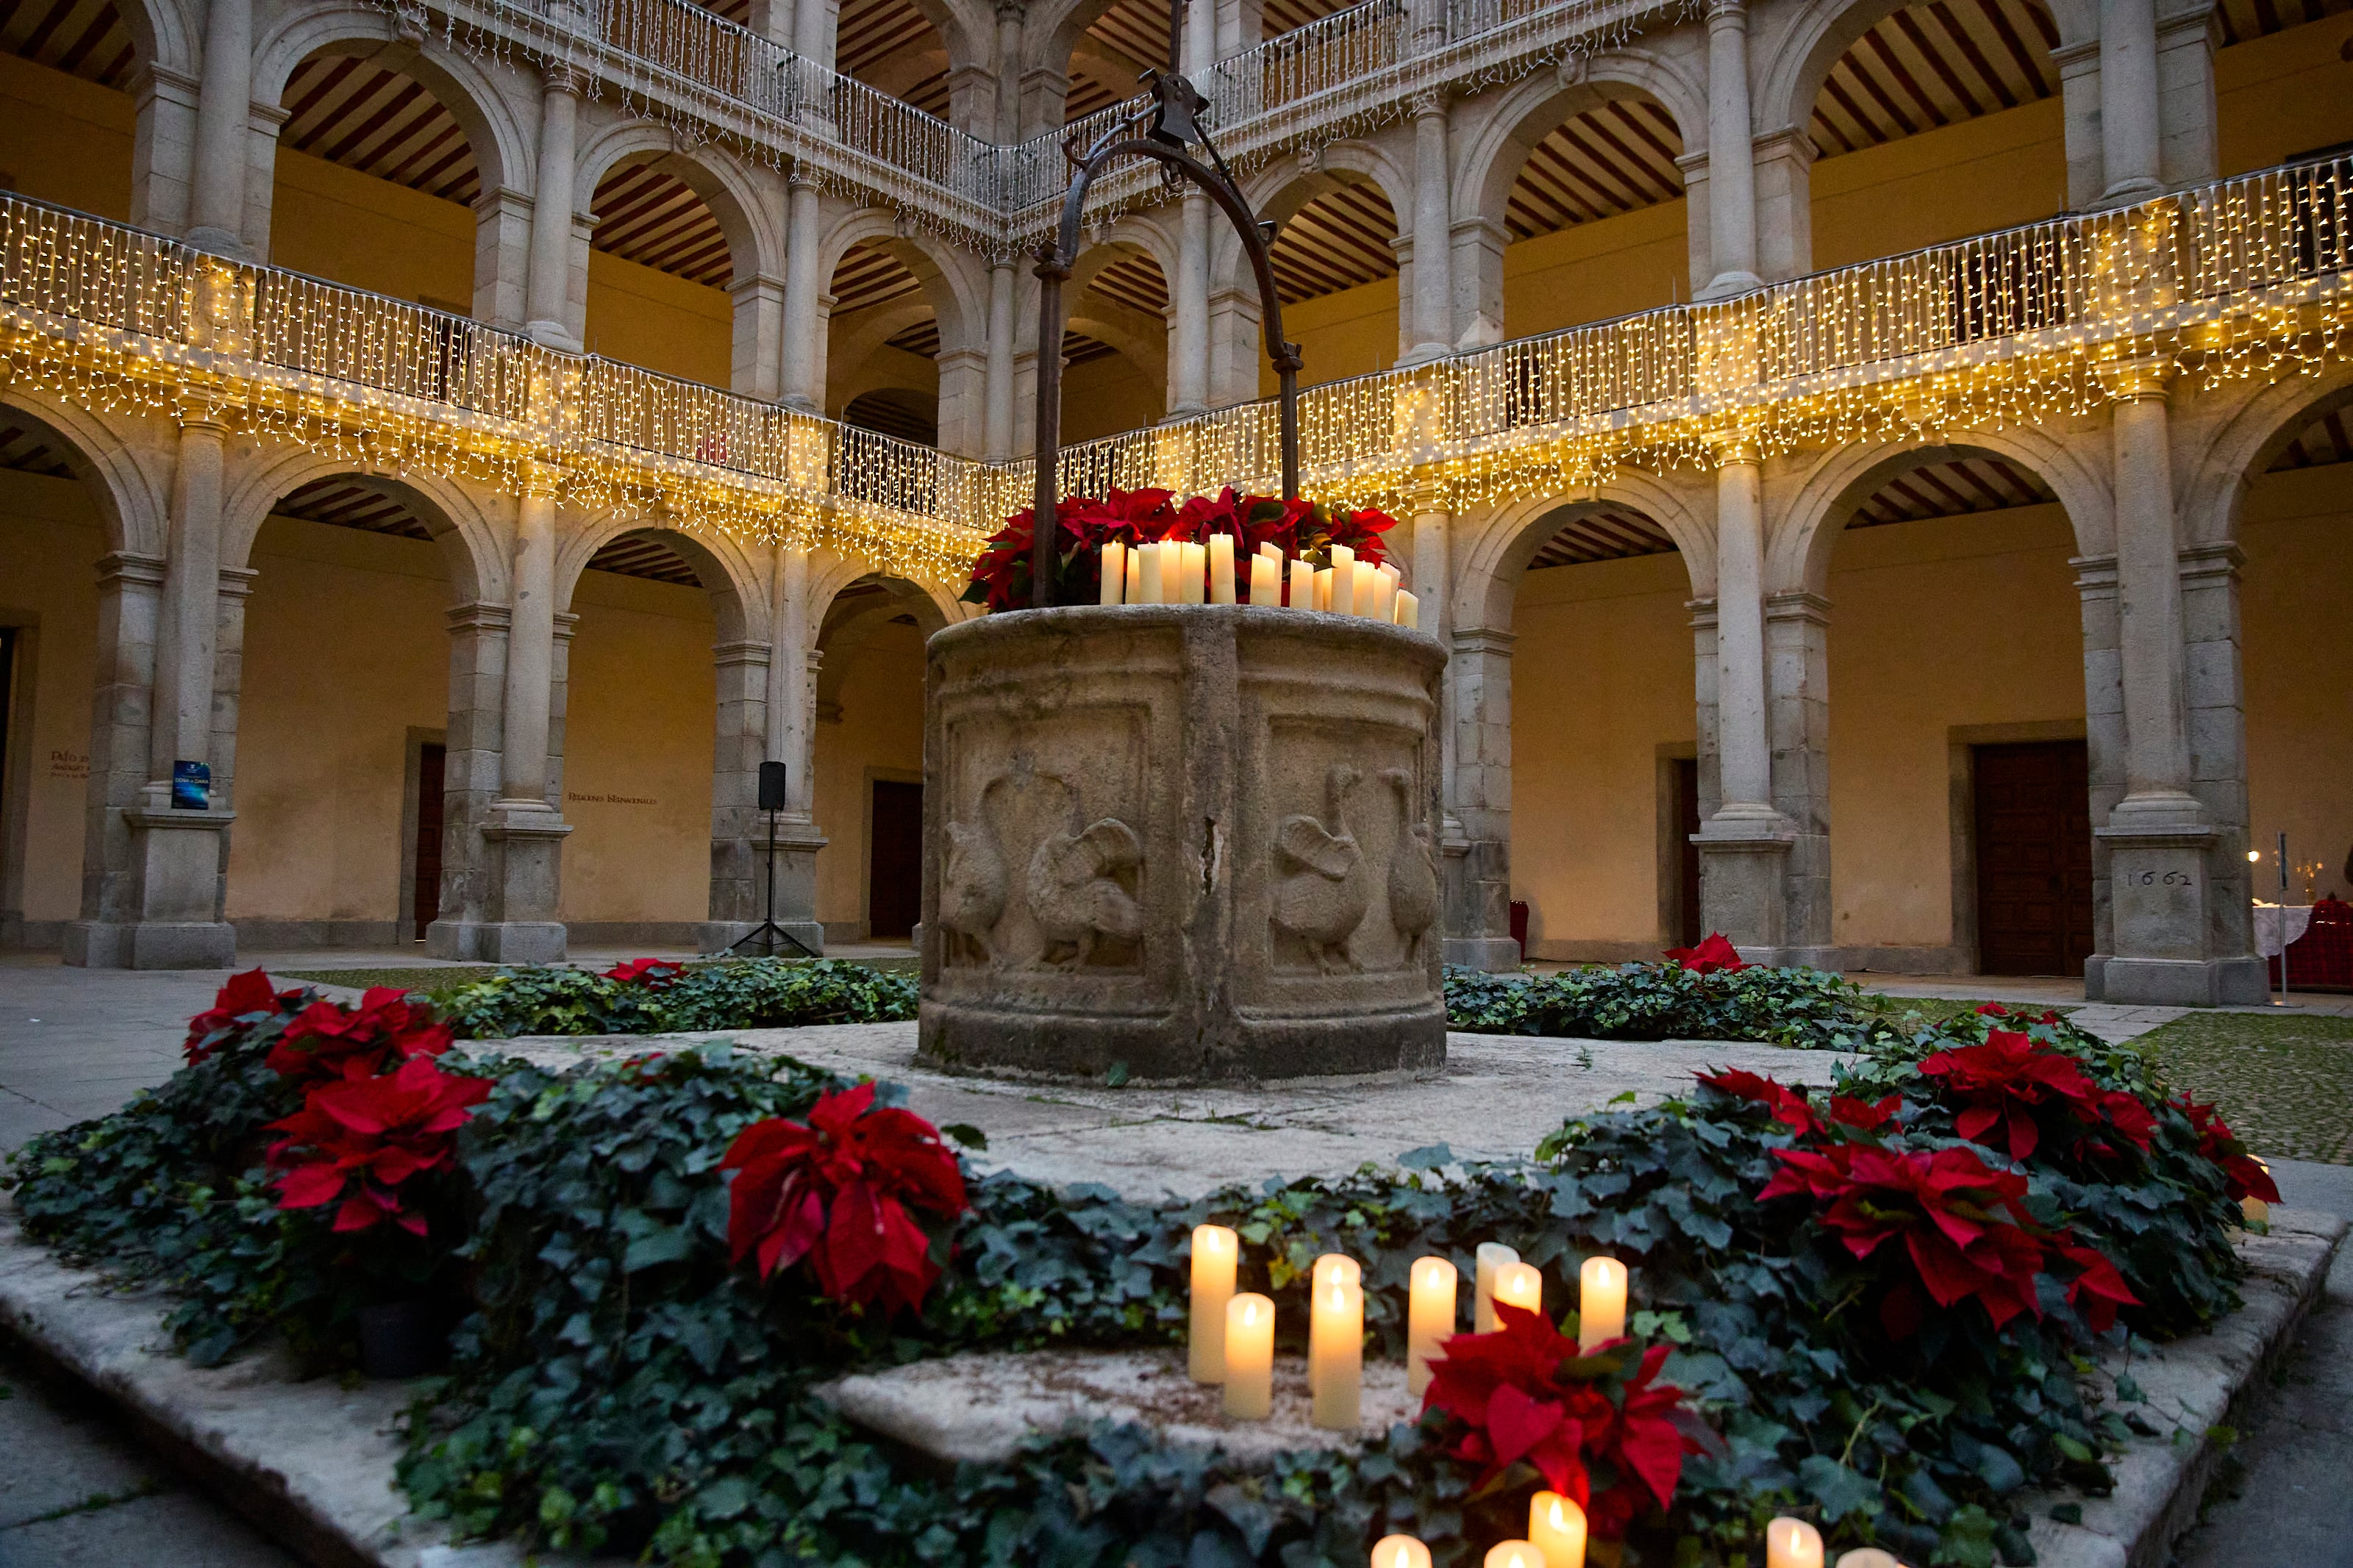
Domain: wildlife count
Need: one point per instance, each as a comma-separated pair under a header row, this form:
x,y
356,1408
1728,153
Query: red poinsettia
x,y
2242,1176
2003,1083
1788,1106
244,996
836,1192
1864,1115
1964,1225
330,1040
1716,954
1524,1394
653,973
359,1140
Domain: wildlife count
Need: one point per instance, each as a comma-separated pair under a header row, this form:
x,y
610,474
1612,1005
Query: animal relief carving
x,y
972,891
1413,868
1322,885
1076,896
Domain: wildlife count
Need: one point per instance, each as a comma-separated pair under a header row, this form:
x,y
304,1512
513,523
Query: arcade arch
x,y
868,755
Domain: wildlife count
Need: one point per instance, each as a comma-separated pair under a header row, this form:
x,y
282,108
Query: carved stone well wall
x,y
1196,841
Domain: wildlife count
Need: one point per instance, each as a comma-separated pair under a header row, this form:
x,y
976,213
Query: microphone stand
x,y
768,927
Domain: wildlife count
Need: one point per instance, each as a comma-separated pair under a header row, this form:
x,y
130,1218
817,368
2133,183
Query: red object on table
x,y
2322,958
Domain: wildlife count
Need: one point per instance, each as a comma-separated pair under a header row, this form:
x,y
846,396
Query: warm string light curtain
x,y
2243,279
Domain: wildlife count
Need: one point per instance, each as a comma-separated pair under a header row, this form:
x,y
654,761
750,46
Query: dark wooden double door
x,y
2034,858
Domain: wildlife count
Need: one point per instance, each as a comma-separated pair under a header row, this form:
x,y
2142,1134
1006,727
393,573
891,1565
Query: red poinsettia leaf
x,y
307,1187
1517,1422
358,1213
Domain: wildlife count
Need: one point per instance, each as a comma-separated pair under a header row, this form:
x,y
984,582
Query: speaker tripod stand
x,y
772,801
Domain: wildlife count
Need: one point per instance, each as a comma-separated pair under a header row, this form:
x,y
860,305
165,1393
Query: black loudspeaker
x,y
772,786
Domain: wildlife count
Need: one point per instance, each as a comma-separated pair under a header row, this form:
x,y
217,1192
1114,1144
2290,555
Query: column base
x,y
716,937
498,941
2131,193
2177,982
1495,955
1725,285
218,242
552,335
1744,873
151,945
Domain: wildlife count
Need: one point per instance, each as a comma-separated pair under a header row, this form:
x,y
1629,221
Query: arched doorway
x,y
869,758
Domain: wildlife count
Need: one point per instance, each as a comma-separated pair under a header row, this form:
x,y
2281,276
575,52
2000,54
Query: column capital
x,y
1702,614
1485,639
477,615
1727,13
1736,445
237,582
1797,604
538,480
130,566
563,76
741,652
1427,499
1429,101
2222,560
2133,381
2096,575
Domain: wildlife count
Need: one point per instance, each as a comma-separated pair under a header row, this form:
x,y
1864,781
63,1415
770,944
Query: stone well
x,y
1194,841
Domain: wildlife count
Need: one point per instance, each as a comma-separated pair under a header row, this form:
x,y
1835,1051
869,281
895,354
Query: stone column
x,y
1731,169
1008,72
162,148
817,31
2078,65
176,855
772,20
964,397
1188,308
548,304
2187,127
742,734
1745,844
502,219
229,682
2163,917
1433,238
1000,434
791,740
2214,692
129,590
1234,346
523,829
1478,273
758,337
469,775
2130,142
804,375
1785,204
1797,720
1478,893
224,100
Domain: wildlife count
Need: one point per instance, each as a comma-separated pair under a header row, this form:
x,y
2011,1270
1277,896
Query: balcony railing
x,y
2240,275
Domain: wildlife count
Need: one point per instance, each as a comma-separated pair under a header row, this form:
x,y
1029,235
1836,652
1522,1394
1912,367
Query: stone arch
x,y
499,127
2216,476
1488,159
954,282
831,573
472,538
754,246
164,34
1789,74
129,480
1803,539
1278,192
729,575
1490,565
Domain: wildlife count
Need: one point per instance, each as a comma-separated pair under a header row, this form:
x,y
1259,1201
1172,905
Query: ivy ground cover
x,y
1871,1308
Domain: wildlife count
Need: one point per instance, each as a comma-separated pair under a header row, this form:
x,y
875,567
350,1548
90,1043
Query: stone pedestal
x,y
1744,869
175,864
525,840
797,847
1193,843
2159,895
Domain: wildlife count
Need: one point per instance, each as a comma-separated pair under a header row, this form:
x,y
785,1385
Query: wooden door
x,y
2034,858
894,869
426,897
1686,807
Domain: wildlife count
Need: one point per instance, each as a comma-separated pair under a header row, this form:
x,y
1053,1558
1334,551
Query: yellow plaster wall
x,y
881,727
645,317
1352,332
345,651
50,539
2296,601
65,139
1994,172
2289,93
337,224
639,736
1958,621
1594,271
1106,396
1601,682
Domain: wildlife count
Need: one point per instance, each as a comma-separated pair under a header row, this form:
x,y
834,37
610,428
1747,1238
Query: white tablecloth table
x,y
2277,925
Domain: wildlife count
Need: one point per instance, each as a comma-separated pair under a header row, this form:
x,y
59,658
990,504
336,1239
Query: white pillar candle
x,y
1196,574
1519,1285
1221,568
1216,1250
1408,612
2255,1210
1430,1318
1515,1554
1115,572
1391,573
1492,1255
1335,1350
1343,581
1136,575
1339,1264
1382,596
1367,580
1868,1557
1303,585
1323,588
1154,586
1250,1358
1265,581
1274,552
1792,1543
1399,1552
1556,1528
1601,1303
